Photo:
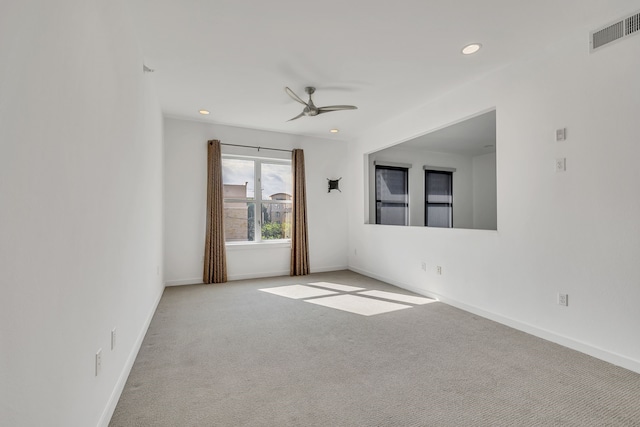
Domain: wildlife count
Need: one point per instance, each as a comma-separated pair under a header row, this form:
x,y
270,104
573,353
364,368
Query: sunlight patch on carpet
x,y
340,297
398,297
298,291
336,287
358,305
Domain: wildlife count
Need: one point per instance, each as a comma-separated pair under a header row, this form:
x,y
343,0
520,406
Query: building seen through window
x,y
255,216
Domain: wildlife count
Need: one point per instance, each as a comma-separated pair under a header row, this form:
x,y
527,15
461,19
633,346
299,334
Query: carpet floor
x,y
233,355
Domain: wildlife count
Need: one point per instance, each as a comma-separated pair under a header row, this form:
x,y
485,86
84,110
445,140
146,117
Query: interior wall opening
x,y
451,177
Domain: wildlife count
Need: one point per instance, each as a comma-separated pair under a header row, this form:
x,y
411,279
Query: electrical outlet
x,y
561,164
98,361
561,134
439,270
563,299
113,338
424,266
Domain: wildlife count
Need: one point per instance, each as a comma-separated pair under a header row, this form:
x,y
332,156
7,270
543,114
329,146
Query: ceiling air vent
x,y
621,28
632,24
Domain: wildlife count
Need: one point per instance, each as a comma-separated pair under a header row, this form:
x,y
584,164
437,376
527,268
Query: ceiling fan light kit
x,y
310,109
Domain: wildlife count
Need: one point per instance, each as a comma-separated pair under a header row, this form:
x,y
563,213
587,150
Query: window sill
x,y
238,246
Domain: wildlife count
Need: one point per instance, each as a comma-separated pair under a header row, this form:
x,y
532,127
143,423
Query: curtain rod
x,y
259,148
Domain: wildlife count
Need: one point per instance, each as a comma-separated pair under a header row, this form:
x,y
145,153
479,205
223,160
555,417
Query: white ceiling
x,y
235,57
470,137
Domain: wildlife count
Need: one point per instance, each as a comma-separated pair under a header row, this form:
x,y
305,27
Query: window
x,y
438,197
392,195
255,216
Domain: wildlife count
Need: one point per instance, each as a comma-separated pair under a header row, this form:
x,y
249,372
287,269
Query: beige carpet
x,y
232,355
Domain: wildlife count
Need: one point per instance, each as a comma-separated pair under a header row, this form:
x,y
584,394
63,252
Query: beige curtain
x,y
299,239
215,256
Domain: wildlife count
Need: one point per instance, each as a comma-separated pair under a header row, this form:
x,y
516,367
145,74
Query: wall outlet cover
x,y
561,164
563,300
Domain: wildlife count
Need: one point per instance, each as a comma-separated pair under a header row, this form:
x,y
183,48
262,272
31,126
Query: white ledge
x,y
240,246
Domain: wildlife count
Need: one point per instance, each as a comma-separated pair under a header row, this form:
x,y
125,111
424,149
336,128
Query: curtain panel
x,y
215,255
299,239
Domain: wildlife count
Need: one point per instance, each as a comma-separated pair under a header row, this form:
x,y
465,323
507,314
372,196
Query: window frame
x,y
257,199
449,173
406,204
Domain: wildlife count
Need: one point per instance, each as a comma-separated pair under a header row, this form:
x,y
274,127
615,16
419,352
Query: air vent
x,y
617,30
607,35
632,24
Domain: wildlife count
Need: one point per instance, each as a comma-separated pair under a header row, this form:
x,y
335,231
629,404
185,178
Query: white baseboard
x,y
193,281
282,273
395,283
329,269
599,353
122,380
258,275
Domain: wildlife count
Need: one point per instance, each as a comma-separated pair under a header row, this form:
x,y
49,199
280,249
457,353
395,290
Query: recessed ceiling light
x,y
203,112
471,48
334,131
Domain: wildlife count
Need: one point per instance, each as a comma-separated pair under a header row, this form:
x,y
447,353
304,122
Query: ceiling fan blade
x,y
331,108
297,117
294,96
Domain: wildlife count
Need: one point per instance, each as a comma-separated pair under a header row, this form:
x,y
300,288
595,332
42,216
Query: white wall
x,y
185,202
80,209
485,203
575,232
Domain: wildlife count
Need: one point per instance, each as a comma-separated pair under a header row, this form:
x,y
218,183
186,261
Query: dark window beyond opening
x,y
438,210
392,195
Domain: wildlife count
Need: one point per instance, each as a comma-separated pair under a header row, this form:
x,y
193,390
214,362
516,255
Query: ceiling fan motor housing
x,y
310,109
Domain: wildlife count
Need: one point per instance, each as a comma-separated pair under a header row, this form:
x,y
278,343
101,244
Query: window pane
x,y
276,221
392,195
238,178
239,222
276,181
267,214
439,215
391,185
391,213
439,187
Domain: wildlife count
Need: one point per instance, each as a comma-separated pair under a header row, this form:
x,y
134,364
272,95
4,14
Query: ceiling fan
x,y
310,109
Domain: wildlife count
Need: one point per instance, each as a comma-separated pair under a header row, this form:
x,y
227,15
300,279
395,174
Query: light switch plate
x,y
561,134
98,361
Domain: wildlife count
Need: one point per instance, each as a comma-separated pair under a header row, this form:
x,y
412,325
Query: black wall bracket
x,y
334,184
